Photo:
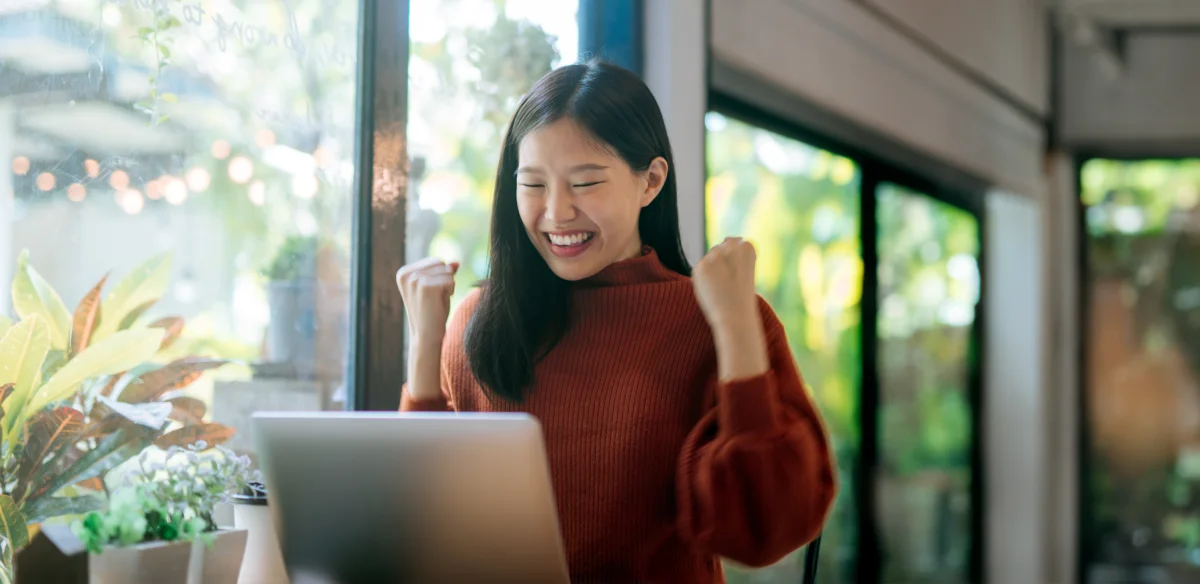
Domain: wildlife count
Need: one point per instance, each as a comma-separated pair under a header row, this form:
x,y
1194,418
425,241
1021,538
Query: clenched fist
x,y
724,284
426,287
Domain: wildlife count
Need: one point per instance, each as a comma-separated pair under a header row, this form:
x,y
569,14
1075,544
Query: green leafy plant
x,y
171,500
295,260
81,393
160,44
305,257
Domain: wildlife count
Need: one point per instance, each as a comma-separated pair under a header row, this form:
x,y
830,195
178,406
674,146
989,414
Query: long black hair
x,y
525,309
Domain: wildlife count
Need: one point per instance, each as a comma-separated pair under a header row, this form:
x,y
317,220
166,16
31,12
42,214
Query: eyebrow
x,y
579,168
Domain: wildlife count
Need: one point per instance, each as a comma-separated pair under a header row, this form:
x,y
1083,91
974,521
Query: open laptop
x,y
411,497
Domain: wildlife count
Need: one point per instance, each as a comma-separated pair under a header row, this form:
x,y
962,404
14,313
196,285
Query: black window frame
x,y
956,189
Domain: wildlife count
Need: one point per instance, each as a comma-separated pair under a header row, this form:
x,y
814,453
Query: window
x,y
1141,471
466,77
877,286
800,207
928,277
201,155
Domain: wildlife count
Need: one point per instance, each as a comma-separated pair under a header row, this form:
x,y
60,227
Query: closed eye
x,y
591,184
532,186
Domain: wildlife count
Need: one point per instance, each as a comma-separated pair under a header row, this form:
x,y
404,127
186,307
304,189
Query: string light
x,y
198,180
92,168
241,170
46,181
20,166
264,138
132,202
257,193
220,149
305,185
118,180
154,188
77,192
175,191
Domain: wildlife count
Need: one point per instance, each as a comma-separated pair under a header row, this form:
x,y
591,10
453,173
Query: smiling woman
x,y
562,125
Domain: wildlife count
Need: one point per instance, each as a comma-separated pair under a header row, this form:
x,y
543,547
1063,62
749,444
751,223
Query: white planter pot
x,y
172,563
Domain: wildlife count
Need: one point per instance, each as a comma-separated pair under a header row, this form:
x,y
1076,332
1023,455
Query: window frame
x,y
960,191
377,325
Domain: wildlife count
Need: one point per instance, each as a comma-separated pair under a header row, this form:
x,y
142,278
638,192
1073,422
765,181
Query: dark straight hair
x,y
525,309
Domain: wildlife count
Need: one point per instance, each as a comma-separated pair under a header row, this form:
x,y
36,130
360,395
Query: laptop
x,y
411,497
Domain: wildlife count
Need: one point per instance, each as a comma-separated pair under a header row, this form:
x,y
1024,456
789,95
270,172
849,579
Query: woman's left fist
x,y
724,284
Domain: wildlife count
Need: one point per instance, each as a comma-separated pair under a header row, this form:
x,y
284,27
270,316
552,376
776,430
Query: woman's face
x,y
579,202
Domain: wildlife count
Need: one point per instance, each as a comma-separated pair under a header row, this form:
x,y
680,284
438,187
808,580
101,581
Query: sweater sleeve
x,y
756,478
454,358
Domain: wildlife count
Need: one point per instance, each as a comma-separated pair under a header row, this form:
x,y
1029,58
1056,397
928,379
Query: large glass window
x,y
200,156
471,62
928,277
799,205
1142,374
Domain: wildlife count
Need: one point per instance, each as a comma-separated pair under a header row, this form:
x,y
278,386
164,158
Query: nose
x,y
560,206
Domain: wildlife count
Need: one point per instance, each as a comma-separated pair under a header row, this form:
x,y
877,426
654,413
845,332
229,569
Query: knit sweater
x,y
658,468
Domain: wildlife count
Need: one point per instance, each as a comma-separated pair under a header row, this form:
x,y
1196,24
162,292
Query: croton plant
x,y
83,391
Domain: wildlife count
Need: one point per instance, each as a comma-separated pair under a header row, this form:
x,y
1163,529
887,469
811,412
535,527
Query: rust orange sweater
x,y
658,468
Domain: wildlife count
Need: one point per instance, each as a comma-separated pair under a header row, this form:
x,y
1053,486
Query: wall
x,y
1150,108
1005,41
1015,423
676,47
844,58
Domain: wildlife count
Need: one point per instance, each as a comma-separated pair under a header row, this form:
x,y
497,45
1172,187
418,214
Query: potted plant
x,y
307,297
160,529
81,393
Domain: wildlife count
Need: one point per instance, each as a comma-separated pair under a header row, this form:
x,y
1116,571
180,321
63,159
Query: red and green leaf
x,y
87,317
173,325
50,433
175,375
212,434
187,410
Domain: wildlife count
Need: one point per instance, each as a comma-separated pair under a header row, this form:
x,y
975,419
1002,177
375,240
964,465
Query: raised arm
x,y
426,287
756,477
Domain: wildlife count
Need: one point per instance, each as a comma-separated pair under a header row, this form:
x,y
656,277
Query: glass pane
x,y
200,155
800,207
1143,370
928,289
471,62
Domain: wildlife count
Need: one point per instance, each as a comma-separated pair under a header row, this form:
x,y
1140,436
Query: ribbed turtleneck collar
x,y
643,269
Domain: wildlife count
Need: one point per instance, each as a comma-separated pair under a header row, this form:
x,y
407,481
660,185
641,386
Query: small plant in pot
x,y
305,285
160,528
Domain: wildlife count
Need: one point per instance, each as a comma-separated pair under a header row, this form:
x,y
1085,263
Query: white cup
x,y
263,562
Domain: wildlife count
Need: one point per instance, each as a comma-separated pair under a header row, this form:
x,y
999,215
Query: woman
x,y
677,427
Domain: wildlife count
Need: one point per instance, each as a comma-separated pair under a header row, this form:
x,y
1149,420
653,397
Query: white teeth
x,y
569,240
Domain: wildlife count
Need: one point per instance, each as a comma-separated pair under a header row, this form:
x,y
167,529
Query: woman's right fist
x,y
426,287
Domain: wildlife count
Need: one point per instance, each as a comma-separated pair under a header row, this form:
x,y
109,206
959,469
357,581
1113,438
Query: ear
x,y
656,177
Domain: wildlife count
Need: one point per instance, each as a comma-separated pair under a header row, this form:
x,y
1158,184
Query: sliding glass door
x,y
929,284
1140,467
877,285
799,205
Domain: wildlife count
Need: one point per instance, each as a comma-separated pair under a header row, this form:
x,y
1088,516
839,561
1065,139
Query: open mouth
x,y
569,244
570,240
